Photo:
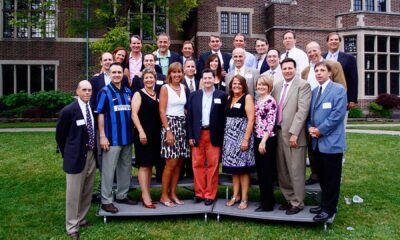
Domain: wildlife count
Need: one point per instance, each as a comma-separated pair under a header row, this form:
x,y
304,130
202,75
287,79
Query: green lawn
x,y
389,128
28,125
32,190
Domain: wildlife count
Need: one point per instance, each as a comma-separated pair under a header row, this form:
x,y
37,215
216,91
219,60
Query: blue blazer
x,y
264,67
349,66
196,83
328,116
72,140
217,116
98,83
203,59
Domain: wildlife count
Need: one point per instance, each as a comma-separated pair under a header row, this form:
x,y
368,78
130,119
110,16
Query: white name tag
x,y
237,105
80,122
122,108
326,105
217,100
160,82
248,75
157,62
223,83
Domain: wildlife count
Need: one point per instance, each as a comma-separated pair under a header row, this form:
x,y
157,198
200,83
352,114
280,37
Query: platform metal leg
x,y
325,226
105,220
218,217
227,193
205,217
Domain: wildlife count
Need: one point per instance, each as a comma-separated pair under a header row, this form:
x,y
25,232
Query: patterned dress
x,y
235,161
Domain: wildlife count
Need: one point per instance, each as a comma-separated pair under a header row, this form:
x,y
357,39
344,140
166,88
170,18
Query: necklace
x,y
175,89
150,94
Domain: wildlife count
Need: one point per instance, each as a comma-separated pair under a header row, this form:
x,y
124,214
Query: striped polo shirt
x,y
115,104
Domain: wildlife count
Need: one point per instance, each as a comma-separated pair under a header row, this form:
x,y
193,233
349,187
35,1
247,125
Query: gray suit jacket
x,y
295,110
251,75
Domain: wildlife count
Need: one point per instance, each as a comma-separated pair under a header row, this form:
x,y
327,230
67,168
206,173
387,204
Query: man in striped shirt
x,y
114,119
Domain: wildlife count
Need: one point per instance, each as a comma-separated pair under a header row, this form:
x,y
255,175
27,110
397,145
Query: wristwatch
x,y
167,129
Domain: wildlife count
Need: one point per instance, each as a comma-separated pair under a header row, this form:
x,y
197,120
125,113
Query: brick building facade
x,y
369,28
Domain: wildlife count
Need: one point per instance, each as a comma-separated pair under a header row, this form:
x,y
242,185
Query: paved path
x,y
375,125
381,132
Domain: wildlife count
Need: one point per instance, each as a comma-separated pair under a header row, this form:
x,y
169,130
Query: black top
x,y
238,109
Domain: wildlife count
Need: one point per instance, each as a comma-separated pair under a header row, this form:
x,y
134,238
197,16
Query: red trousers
x,y
205,161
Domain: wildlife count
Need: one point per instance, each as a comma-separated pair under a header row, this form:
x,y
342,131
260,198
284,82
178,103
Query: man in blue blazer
x,y
164,55
206,121
261,56
349,66
75,136
215,45
326,128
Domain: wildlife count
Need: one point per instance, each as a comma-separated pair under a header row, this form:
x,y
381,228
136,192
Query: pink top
x,y
265,117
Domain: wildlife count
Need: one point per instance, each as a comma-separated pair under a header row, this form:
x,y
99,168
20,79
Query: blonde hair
x,y
176,66
264,80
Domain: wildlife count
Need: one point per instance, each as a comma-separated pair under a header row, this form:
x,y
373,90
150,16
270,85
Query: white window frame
x,y
364,6
29,63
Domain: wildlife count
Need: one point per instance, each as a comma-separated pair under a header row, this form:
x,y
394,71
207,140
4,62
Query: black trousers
x,y
313,163
266,167
329,174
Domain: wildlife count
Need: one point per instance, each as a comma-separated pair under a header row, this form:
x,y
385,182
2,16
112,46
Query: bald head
x,y
239,56
313,50
84,90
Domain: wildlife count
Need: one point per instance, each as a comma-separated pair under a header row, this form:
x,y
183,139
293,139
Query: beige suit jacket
x,y
295,110
337,73
251,75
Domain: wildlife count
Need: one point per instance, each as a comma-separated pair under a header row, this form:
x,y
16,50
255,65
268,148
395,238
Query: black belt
x,y
205,127
279,127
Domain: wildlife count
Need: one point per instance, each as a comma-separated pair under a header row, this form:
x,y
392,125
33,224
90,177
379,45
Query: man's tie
x,y
287,54
237,71
191,87
281,102
316,102
89,127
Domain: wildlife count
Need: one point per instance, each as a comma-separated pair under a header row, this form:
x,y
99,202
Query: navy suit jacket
x,y
196,83
328,116
264,66
217,116
72,140
173,58
203,59
98,83
349,66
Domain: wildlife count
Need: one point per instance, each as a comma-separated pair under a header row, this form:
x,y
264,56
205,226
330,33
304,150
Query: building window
x,y
28,78
235,22
370,5
381,62
153,19
357,5
29,19
381,5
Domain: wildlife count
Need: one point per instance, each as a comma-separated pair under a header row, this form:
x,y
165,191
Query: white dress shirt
x,y
299,56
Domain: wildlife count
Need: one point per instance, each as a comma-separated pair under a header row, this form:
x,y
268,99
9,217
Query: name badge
x,y
217,100
248,75
327,105
237,105
157,62
223,83
122,108
80,122
160,82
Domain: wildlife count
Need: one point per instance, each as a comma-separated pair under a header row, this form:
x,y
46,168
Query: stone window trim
x,y
29,63
29,28
249,11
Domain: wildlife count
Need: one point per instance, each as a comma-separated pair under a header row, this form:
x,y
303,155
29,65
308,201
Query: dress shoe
x,y
262,209
293,210
109,208
74,235
126,201
208,202
285,206
85,225
197,199
316,210
322,217
311,181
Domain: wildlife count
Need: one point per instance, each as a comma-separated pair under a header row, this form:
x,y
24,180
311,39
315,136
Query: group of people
x,y
253,113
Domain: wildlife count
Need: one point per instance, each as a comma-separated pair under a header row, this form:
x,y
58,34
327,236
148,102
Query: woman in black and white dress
x,y
174,145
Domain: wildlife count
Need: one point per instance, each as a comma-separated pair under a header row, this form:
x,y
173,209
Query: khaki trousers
x,y
79,194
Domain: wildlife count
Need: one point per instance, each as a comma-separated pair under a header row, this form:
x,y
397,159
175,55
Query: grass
x,y
386,128
28,125
33,199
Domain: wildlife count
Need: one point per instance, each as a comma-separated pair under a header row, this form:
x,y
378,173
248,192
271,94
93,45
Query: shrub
x,y
52,101
375,108
388,101
355,112
16,100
